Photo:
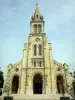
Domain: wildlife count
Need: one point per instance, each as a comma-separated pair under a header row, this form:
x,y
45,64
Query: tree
x,y
1,82
1,79
7,87
73,83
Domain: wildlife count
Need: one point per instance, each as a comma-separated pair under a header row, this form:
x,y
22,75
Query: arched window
x,y
36,16
40,63
35,28
39,28
34,63
40,50
35,50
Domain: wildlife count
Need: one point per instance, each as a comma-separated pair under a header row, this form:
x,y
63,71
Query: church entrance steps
x,y
37,97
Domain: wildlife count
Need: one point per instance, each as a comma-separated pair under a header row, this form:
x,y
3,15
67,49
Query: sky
x,y
59,17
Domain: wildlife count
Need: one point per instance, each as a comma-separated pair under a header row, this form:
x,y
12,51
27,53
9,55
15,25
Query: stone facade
x,y
37,60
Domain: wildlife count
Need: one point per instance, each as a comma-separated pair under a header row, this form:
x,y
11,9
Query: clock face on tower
x,y
37,39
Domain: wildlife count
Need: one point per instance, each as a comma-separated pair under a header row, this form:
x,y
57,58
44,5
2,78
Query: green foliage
x,y
7,87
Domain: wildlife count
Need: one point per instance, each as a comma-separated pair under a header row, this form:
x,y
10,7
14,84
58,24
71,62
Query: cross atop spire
x,y
37,11
36,2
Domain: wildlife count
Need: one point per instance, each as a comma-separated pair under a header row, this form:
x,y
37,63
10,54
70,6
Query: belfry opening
x,y
37,84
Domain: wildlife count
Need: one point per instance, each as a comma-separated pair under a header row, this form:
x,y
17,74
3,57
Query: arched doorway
x,y
37,84
60,84
15,84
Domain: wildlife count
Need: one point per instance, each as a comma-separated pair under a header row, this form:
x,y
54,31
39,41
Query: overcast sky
x,y
15,16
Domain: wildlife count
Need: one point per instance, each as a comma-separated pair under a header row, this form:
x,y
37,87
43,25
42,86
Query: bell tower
x,y
37,22
36,58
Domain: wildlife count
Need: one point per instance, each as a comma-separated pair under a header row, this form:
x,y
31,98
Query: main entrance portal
x,y
37,84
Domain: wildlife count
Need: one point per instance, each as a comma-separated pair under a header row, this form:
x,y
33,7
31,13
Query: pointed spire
x,y
37,11
37,15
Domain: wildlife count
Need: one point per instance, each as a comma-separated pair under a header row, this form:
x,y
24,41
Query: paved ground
x,y
36,96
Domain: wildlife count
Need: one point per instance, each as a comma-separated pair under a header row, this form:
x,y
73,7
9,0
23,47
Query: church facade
x,y
37,72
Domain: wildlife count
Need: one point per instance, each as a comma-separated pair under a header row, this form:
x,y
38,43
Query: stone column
x,y
23,80
29,85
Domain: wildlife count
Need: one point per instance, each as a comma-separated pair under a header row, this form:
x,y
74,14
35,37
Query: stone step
x,y
37,97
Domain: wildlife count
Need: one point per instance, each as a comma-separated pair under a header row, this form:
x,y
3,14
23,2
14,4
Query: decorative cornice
x,y
36,21
18,63
37,34
57,63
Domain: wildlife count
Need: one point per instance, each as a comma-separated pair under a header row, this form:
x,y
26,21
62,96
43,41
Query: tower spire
x,y
37,11
37,15
36,2
37,22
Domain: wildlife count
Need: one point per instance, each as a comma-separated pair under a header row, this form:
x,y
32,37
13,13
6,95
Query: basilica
x,y
38,72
